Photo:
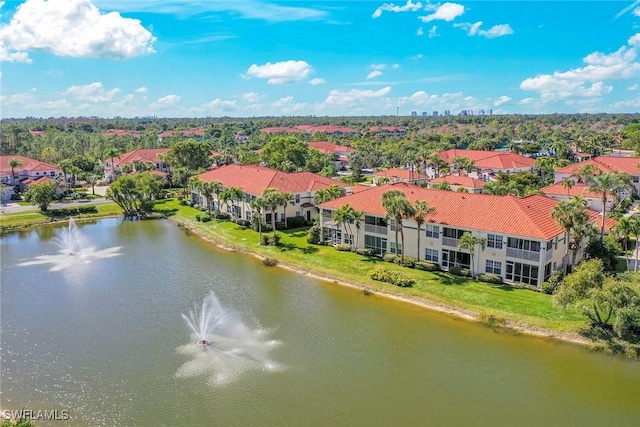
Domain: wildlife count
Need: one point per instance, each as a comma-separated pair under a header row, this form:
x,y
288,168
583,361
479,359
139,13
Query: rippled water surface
x,y
105,339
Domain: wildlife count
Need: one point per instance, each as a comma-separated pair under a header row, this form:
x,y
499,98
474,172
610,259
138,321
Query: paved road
x,y
14,207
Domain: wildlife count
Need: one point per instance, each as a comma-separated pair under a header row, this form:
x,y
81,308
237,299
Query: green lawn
x,y
16,220
519,306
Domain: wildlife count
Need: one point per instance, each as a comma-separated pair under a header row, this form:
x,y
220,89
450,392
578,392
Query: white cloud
x,y
527,101
251,97
418,56
502,100
634,86
93,92
374,74
634,40
165,102
636,11
220,105
446,12
281,72
378,66
395,66
287,106
142,89
493,32
620,64
6,56
317,81
420,32
24,98
390,7
433,32
447,101
354,97
72,28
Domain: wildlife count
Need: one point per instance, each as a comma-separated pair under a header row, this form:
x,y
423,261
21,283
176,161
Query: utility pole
x,y
397,111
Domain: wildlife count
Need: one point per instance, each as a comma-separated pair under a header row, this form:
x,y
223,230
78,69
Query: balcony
x,y
449,241
522,254
549,254
375,229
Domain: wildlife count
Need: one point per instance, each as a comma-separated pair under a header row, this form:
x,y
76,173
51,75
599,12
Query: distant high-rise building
x,y
464,112
424,114
435,113
447,112
481,112
414,113
491,112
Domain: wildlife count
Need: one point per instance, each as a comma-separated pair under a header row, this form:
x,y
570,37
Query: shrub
x,y
270,262
71,211
552,283
365,252
243,222
490,278
406,261
296,222
222,215
270,240
205,218
459,271
491,320
525,286
427,266
343,248
264,239
198,217
16,196
313,235
388,257
383,274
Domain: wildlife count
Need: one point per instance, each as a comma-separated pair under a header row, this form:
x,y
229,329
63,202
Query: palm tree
x,y
606,184
469,241
258,205
208,189
358,216
397,207
287,199
625,228
216,188
272,200
568,183
235,195
567,215
344,217
421,210
112,153
196,184
181,177
442,185
14,163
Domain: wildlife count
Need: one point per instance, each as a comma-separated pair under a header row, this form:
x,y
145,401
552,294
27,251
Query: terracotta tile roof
x,y
576,190
326,129
36,132
399,173
527,217
628,165
28,164
462,181
186,133
38,180
142,154
495,160
255,179
385,129
281,129
327,147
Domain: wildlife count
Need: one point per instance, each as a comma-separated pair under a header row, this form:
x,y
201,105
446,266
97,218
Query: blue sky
x,y
244,58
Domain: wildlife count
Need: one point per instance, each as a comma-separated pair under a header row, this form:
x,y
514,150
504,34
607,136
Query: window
x,y
392,225
527,245
549,244
347,239
431,255
522,273
452,233
298,213
433,231
452,258
494,241
393,248
493,267
378,244
333,235
248,215
547,271
297,199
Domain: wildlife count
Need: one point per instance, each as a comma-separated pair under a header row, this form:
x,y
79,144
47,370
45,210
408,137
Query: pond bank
x,y
336,278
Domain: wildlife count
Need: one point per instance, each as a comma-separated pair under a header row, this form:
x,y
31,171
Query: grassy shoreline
x,y
17,221
516,309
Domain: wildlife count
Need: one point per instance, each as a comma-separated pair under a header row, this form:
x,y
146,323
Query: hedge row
x,y
383,274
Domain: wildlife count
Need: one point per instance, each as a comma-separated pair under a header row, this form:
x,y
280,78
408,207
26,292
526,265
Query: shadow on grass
x,y
308,250
296,232
166,211
371,260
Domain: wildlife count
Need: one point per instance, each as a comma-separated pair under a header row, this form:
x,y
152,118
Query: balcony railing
x,y
449,241
549,254
376,229
522,254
